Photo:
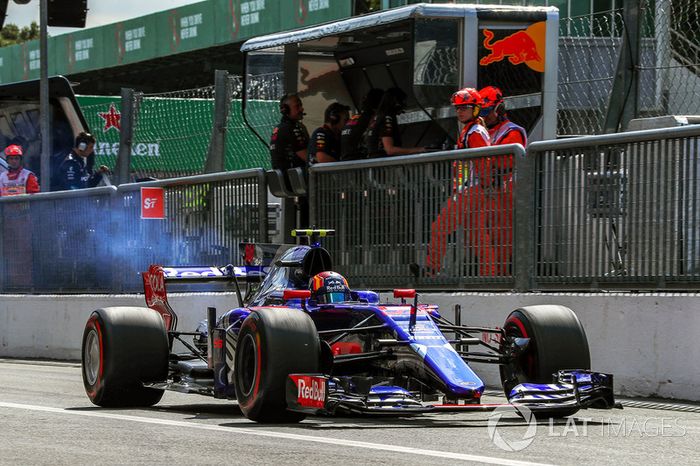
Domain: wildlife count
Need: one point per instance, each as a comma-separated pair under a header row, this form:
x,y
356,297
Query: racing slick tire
x,y
123,348
272,344
557,341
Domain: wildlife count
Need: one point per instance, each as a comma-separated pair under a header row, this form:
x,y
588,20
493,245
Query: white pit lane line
x,y
278,435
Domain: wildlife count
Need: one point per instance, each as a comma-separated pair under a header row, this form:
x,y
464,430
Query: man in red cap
x,y
17,179
464,207
500,200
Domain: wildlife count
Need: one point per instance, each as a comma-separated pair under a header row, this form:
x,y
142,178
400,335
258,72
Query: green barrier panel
x,y
171,136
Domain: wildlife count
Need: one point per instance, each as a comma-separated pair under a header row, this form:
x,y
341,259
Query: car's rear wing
x,y
156,276
204,274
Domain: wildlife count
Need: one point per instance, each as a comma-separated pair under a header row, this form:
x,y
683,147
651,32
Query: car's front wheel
x,y
272,344
557,341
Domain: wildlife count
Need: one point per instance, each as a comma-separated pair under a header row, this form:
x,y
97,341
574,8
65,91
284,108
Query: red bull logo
x,y
526,46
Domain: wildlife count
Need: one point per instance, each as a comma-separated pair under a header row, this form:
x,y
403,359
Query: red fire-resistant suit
x,y
499,199
462,207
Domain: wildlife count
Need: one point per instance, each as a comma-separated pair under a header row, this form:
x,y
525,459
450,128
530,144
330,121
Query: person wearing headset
x,y
289,145
324,145
76,170
290,139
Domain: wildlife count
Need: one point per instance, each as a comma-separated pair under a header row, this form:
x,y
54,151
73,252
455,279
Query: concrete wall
x,y
648,341
51,326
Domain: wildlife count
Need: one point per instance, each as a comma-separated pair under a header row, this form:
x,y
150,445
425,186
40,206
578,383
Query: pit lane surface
x,y
45,418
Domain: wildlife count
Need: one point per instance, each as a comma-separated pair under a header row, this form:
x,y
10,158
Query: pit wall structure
x,y
648,341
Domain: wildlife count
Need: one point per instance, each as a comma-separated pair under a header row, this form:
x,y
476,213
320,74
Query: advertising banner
x,y
172,135
153,203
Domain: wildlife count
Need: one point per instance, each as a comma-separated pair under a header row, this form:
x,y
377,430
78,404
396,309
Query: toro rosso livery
x,y
302,342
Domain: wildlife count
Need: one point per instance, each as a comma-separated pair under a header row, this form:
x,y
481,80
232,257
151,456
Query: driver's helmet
x,y
329,287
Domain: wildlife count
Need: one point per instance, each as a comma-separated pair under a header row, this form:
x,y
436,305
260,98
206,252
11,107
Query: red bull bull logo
x,y
526,46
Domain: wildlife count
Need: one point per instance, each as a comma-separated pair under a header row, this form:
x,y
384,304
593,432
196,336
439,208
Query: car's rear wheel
x,y
272,344
123,348
557,341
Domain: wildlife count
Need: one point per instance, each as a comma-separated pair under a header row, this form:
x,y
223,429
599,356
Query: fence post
x,y
115,211
524,225
126,135
262,207
311,197
3,268
217,143
624,99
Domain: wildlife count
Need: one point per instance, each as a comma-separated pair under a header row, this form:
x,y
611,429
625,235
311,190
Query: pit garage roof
x,y
339,28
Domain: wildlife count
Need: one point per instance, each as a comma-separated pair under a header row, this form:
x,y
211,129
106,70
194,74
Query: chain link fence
x,y
172,130
670,68
244,149
587,63
669,64
179,125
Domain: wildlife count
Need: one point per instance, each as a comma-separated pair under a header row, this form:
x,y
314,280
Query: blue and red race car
x,y
302,342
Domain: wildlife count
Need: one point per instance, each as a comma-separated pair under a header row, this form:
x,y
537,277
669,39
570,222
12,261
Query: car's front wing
x,y
321,394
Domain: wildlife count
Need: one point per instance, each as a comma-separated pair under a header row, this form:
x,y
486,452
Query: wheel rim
x,y
248,368
91,356
522,368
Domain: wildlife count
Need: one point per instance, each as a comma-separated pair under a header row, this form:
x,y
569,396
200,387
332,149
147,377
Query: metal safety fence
x,y
56,242
436,220
615,211
95,239
619,210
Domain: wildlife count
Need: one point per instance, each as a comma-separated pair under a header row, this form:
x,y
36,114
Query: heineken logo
x,y
141,149
112,118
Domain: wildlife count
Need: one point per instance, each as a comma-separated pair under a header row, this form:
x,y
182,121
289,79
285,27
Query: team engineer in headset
x,y
76,170
289,146
290,138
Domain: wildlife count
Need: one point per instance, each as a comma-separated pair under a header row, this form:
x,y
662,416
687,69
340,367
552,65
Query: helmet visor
x,y
329,298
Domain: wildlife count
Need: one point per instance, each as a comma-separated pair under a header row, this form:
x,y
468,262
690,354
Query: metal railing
x,y
435,220
619,210
55,241
95,240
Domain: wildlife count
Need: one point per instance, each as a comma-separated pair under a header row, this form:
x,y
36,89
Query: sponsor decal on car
x,y
203,272
311,390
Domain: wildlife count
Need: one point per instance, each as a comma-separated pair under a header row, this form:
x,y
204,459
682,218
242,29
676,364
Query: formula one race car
x,y
302,342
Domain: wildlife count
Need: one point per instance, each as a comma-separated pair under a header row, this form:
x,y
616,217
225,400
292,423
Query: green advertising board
x,y
171,136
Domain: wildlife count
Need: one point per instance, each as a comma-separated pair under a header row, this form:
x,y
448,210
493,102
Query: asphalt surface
x,y
46,418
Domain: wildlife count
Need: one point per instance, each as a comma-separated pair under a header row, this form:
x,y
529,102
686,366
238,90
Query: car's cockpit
x,y
291,270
